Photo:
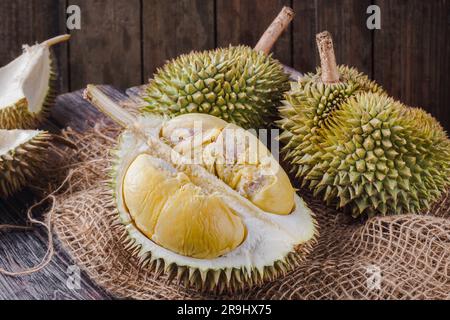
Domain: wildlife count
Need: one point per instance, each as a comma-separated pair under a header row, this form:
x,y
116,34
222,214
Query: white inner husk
x,y
28,76
11,139
270,237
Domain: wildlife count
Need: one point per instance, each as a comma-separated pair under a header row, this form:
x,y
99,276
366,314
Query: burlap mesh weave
x,y
393,257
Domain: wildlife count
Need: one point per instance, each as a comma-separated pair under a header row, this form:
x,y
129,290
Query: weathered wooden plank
x,y
107,49
31,21
171,28
303,37
346,20
244,21
412,52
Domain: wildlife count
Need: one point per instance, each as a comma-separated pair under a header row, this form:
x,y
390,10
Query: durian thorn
x,y
273,32
330,73
109,107
56,40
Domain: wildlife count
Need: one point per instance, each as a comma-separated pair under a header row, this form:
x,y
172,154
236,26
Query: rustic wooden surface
x,y
122,42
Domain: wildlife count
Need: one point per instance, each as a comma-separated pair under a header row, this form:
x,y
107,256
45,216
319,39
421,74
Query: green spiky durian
x,y
27,87
347,141
237,84
209,221
22,154
377,155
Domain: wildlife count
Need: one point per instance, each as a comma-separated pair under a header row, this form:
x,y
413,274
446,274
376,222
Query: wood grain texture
x,y
303,36
171,28
244,22
26,248
107,49
412,54
31,21
346,20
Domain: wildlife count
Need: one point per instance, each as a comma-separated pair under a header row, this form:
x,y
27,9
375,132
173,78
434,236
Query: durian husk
x,y
18,116
18,113
19,166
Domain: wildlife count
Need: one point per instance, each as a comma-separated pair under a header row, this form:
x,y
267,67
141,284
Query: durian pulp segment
x,y
234,155
26,78
268,237
11,139
176,214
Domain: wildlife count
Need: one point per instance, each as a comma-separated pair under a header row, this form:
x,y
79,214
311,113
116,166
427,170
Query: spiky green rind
x,y
18,116
306,109
237,84
217,281
377,156
21,165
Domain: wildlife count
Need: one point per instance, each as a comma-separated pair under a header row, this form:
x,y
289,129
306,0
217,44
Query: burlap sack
x,y
394,257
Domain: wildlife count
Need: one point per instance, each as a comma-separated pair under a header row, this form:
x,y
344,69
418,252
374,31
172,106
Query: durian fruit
x,y
238,84
367,152
27,86
312,99
380,156
22,154
215,214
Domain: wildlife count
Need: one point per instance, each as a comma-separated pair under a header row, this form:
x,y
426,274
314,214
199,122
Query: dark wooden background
x,y
122,42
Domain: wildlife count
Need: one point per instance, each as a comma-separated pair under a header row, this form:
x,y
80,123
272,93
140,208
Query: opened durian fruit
x,y
22,154
356,147
238,84
204,201
26,86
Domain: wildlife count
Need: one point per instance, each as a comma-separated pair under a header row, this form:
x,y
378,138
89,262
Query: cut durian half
x,y
26,88
209,229
22,154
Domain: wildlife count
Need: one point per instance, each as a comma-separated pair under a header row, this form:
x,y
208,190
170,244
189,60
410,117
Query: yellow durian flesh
x,y
235,156
178,215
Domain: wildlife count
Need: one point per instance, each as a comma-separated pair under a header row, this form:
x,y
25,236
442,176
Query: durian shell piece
x,y
20,164
28,86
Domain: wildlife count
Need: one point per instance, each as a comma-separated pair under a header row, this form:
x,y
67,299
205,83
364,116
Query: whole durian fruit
x,y
27,86
238,84
380,156
22,154
312,99
350,143
204,201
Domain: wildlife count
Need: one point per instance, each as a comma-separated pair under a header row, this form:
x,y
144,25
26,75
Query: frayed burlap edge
x,y
392,257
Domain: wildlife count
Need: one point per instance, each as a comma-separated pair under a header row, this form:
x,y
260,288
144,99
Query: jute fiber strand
x,y
392,257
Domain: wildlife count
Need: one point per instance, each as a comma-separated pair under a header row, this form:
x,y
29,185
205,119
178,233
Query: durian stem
x,y
330,72
274,31
56,40
102,102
